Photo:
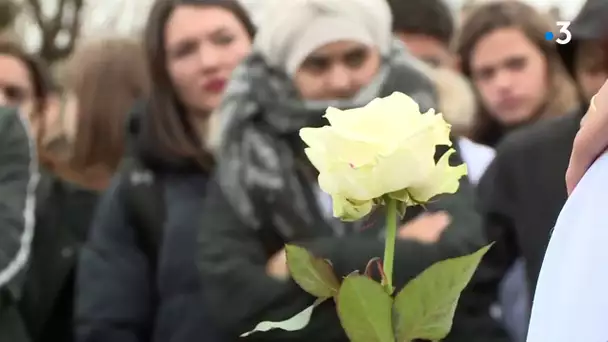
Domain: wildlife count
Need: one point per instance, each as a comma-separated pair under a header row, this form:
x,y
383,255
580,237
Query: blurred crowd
x,y
147,191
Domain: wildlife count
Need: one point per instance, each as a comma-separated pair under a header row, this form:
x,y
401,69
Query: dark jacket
x,y
122,295
240,294
523,191
49,250
63,217
18,179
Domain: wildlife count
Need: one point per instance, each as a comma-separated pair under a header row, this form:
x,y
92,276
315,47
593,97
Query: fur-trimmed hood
x,y
457,100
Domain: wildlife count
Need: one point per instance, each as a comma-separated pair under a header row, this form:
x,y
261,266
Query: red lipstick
x,y
216,85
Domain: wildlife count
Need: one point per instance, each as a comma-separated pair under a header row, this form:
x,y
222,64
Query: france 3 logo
x,y
564,35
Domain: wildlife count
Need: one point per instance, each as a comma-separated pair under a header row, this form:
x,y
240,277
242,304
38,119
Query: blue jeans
x,y
514,301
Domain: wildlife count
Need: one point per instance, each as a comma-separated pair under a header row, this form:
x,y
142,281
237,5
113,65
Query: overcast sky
x,y
569,7
111,17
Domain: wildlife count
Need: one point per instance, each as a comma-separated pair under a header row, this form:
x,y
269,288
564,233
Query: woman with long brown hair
x,y
138,279
80,140
102,80
517,73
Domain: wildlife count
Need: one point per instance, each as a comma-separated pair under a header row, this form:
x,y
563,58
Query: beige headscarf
x,y
291,29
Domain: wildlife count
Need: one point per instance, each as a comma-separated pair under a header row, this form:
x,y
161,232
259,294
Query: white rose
x,y
384,148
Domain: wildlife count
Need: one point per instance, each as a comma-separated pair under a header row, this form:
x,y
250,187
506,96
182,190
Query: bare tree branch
x,y
37,12
74,28
66,20
56,23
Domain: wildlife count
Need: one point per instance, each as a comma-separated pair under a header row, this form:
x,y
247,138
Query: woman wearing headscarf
x,y
309,55
18,180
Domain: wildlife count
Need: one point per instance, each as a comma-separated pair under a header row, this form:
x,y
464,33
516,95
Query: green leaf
x,y
295,323
365,310
425,307
313,275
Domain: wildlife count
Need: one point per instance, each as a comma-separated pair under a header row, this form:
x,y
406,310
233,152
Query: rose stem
x,y
389,244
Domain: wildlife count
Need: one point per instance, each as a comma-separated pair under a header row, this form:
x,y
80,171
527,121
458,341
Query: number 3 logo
x,y
563,29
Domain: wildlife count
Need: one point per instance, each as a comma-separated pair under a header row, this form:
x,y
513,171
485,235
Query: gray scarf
x,y
256,139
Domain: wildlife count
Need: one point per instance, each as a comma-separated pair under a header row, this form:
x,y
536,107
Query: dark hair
x,y
40,76
492,16
428,17
107,77
166,131
589,24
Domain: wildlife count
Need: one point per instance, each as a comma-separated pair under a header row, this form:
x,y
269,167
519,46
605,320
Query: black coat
x,y
523,191
240,294
63,216
125,296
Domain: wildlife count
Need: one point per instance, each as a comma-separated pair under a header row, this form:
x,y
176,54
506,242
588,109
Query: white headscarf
x,y
290,30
